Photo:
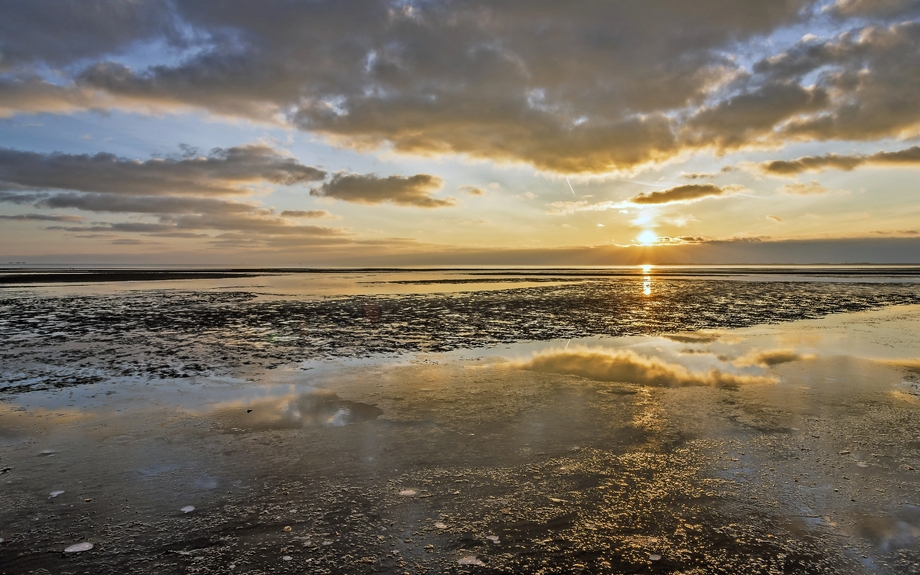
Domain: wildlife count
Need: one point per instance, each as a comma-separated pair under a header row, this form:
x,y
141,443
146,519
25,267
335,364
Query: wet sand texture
x,y
60,341
193,432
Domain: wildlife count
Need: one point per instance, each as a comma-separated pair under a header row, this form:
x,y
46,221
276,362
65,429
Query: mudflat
x,y
611,425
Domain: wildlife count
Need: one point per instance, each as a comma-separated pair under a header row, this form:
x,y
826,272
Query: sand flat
x,y
601,451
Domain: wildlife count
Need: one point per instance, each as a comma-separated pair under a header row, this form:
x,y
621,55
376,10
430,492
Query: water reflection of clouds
x,y
628,366
771,357
319,408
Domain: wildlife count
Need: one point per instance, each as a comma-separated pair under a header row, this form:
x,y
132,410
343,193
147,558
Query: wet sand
x,y
567,447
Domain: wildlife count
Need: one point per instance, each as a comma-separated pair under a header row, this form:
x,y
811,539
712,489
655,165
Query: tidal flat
x,y
441,422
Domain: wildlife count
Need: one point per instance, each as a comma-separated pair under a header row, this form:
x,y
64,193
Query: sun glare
x,y
647,238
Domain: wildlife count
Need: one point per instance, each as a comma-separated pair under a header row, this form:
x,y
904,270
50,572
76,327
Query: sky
x,y
442,133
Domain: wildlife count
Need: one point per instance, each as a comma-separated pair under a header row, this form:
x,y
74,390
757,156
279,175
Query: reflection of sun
x,y
646,269
647,238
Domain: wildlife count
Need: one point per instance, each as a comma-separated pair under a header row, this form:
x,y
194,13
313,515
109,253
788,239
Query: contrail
x,y
570,186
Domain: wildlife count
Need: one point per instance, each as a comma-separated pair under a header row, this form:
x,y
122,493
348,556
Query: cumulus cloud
x,y
846,8
747,118
626,366
62,32
684,194
372,189
909,157
869,75
573,89
592,88
230,171
770,358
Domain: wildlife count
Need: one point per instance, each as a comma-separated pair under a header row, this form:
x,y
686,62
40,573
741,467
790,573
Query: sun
x,y
647,238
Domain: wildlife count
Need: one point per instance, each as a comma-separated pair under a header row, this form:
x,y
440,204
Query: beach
x,y
455,422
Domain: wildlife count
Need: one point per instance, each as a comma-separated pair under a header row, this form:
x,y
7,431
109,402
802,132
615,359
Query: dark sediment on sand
x,y
416,464
177,333
90,276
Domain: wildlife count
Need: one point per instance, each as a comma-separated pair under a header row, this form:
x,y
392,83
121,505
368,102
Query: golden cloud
x,y
686,193
803,189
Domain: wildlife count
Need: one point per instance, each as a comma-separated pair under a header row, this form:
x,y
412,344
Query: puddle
x,y
316,409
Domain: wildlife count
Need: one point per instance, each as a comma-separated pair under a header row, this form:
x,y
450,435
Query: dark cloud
x,y
747,118
371,189
252,226
228,171
685,193
568,88
42,218
63,31
588,88
176,192
134,242
871,76
905,158
884,8
115,203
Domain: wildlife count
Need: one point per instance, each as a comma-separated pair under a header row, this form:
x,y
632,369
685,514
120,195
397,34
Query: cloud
x,y
626,366
774,218
707,175
133,242
803,189
566,208
62,32
593,88
311,214
869,75
473,190
665,240
684,194
412,191
909,157
177,196
231,171
770,358
42,218
747,118
845,8
115,203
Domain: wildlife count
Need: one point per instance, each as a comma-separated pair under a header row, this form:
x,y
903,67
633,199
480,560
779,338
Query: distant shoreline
x,y
20,276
